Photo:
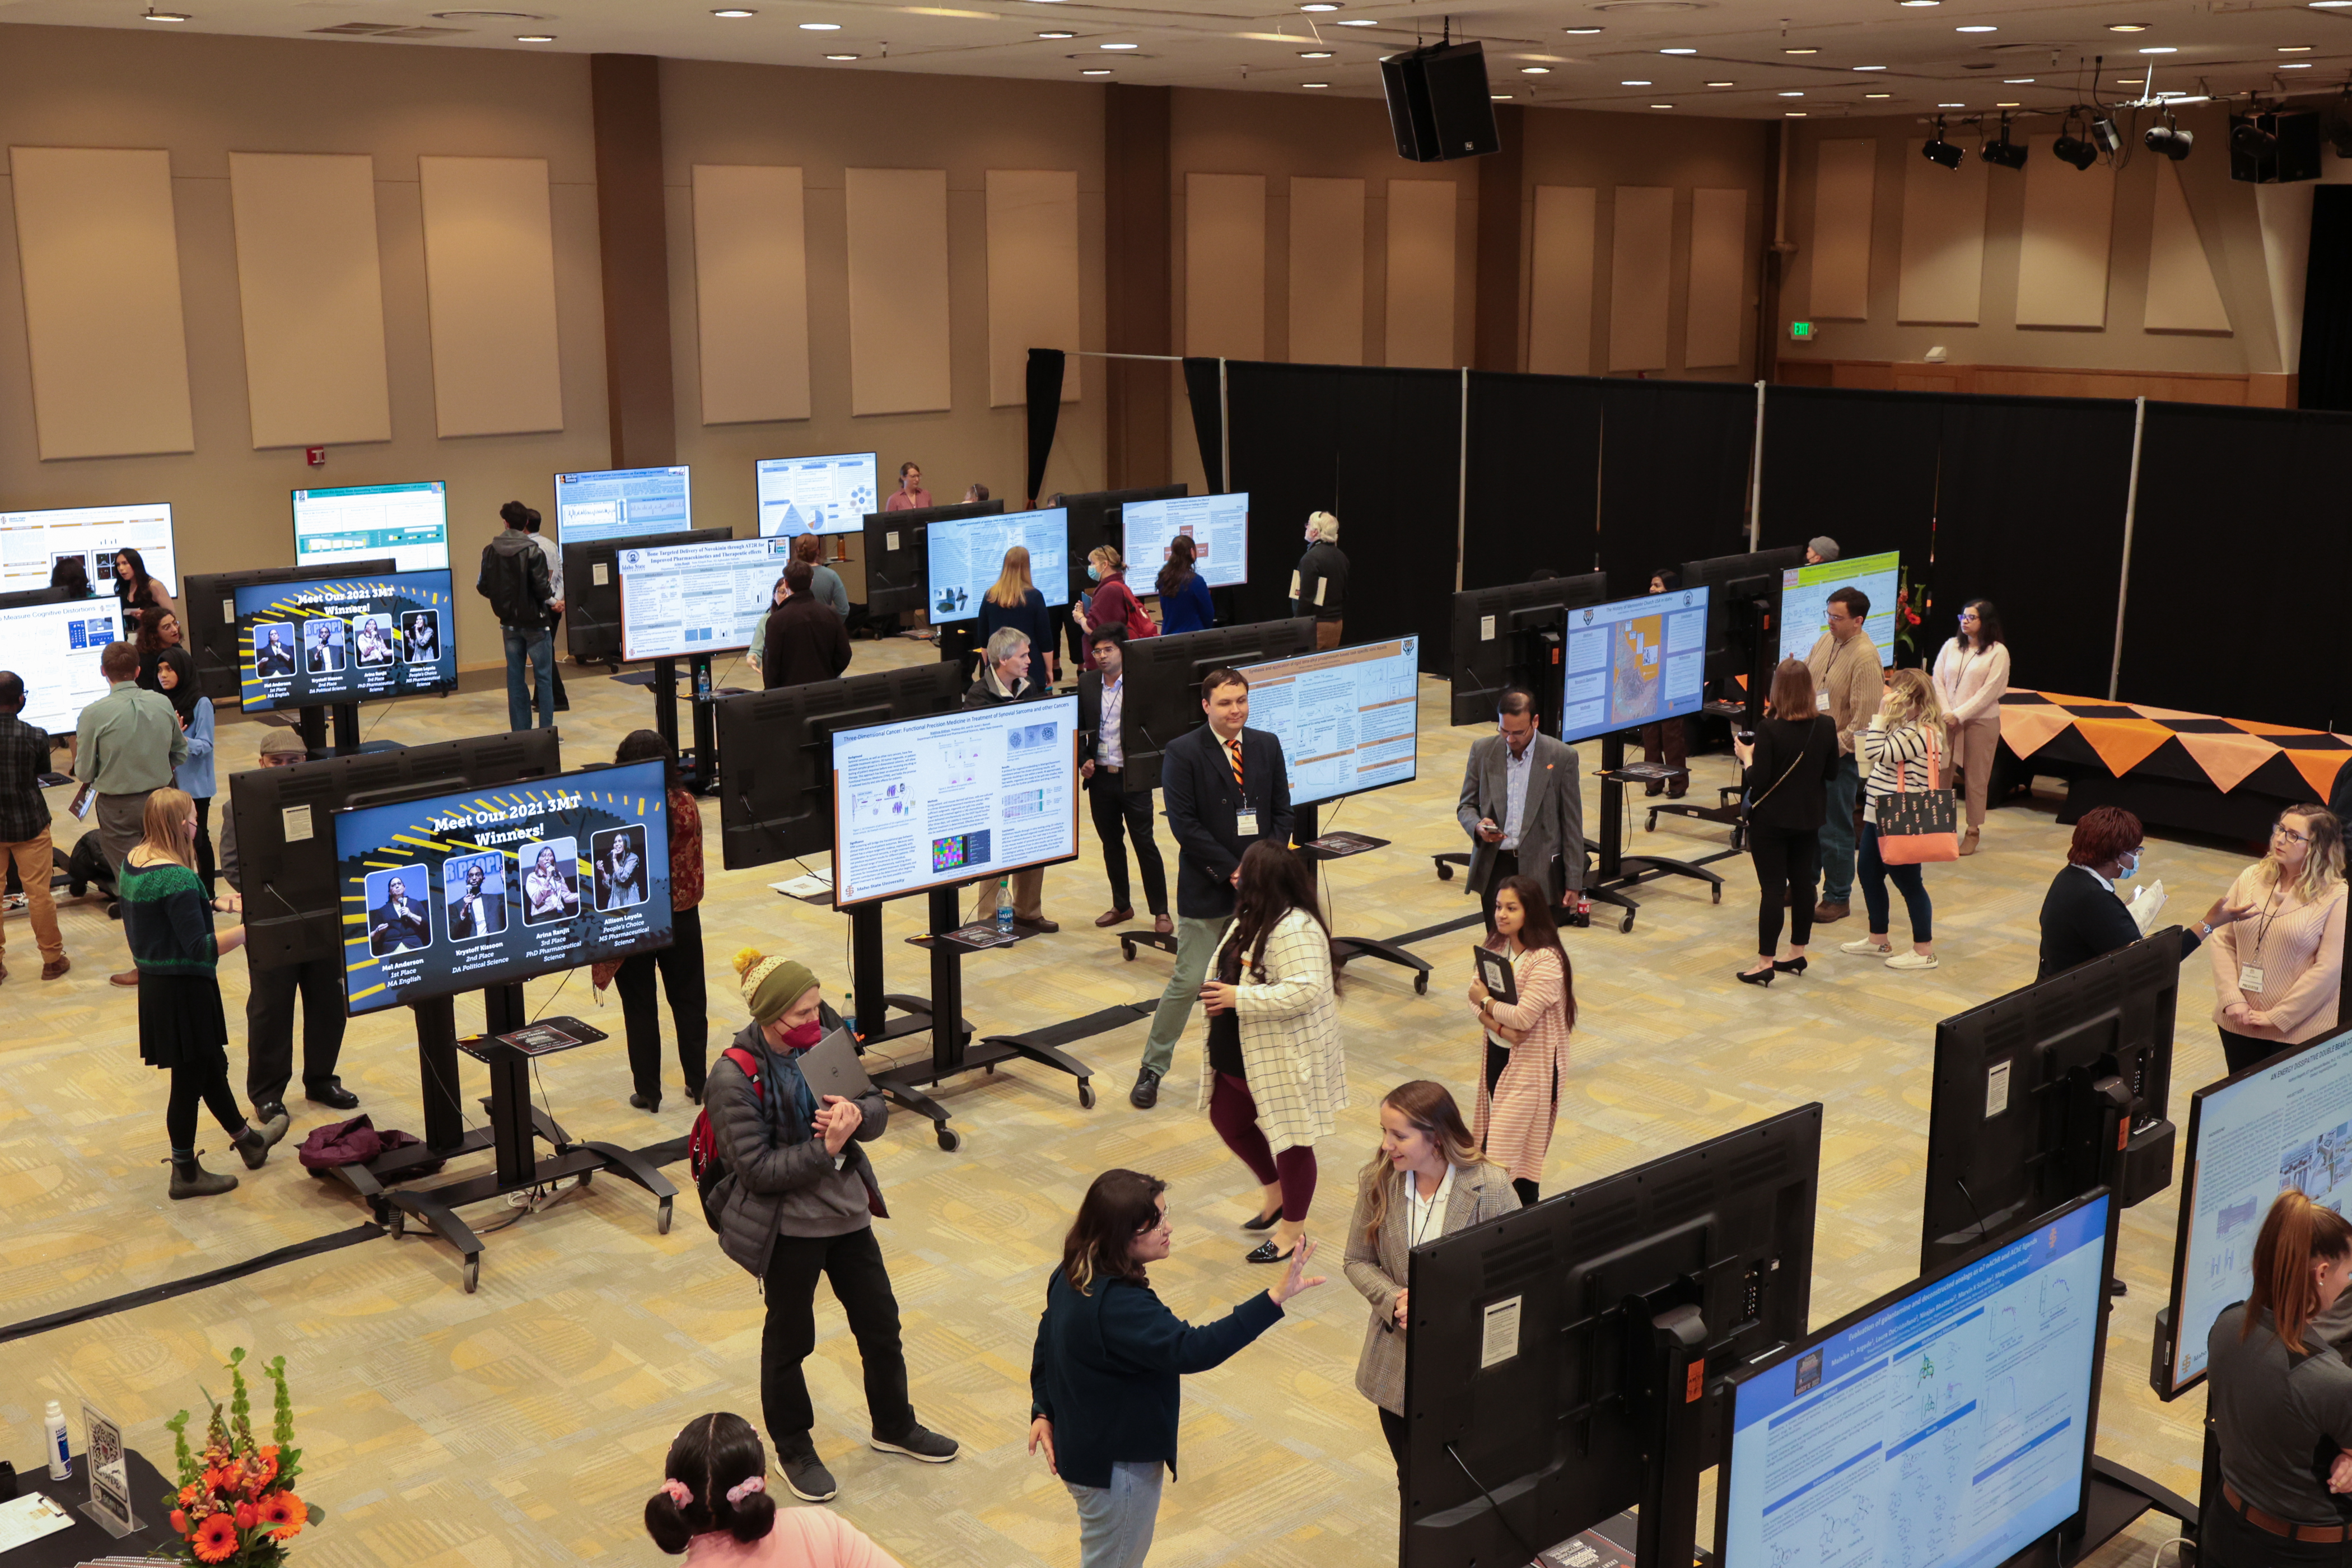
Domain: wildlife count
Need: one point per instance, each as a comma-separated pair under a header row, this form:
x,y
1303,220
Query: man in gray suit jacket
x,y
1522,806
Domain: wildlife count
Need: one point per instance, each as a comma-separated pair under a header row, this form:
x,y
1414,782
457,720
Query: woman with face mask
x,y
2083,915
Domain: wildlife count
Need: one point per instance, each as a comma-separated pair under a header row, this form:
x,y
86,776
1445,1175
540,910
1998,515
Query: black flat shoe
x,y
1263,1221
1266,1252
1794,966
1756,977
642,1103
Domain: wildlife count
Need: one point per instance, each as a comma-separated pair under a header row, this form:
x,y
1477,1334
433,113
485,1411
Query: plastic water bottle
x,y
54,1438
702,681
1004,906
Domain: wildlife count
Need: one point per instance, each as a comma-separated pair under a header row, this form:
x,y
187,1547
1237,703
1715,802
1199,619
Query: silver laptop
x,y
831,1066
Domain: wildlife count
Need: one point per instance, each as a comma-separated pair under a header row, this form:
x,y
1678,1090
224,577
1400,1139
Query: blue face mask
x,y
2123,872
1094,573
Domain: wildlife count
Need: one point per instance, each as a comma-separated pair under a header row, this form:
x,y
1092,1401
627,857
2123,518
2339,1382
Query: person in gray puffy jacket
x,y
798,1200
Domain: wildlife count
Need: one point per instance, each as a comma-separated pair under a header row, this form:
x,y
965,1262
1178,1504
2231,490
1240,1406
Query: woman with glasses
x,y
2083,915
1971,674
2276,976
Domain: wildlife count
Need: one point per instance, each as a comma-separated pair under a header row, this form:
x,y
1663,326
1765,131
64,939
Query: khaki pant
x,y
1028,897
1327,636
1973,746
34,863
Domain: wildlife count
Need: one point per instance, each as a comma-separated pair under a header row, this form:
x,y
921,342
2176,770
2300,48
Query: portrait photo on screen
x,y
396,920
474,891
420,637
550,885
325,641
372,635
273,650
322,644
619,854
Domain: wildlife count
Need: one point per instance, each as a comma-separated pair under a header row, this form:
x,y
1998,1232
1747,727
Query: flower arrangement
x,y
236,1503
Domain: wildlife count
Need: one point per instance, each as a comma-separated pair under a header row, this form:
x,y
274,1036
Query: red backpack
x,y
702,1144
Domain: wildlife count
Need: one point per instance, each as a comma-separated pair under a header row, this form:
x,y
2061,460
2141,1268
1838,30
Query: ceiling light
x,y
1792,93
1870,67
2294,65
1723,84
1096,70
1057,35
1546,70
1909,2
1584,30
1792,114
1313,54
2131,81
1878,95
2159,49
2004,153
2329,4
1314,84
2169,140
2127,26
2295,48
1951,106
1361,22
841,57
1499,97
1118,45
534,37
1938,151
1978,27
1677,51
1633,84
1319,6
820,26
1661,106
1801,51
2016,81
2071,149
154,15
732,12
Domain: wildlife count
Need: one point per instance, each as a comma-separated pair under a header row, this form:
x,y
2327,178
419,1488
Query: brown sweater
x,y
1848,681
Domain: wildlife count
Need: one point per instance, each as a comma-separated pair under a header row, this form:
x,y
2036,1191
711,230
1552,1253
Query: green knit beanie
x,y
771,985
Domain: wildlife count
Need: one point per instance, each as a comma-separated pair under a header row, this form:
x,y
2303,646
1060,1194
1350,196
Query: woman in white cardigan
x,y
1971,674
1276,1080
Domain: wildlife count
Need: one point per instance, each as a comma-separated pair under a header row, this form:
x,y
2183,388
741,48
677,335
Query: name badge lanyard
x,y
1429,1210
2250,975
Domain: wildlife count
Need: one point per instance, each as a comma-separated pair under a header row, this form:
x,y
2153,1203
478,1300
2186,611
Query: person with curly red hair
x,y
2082,915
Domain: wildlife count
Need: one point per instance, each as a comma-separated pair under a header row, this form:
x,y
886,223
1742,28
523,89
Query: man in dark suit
x,y
1226,786
1522,806
1120,810
806,641
397,924
474,912
274,657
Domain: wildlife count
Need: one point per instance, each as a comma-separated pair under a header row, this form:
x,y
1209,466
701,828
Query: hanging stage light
x,y
2072,148
2004,153
2170,139
1938,151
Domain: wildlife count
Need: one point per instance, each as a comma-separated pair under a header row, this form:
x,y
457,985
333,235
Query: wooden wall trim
x,y
2249,389
633,251
1139,283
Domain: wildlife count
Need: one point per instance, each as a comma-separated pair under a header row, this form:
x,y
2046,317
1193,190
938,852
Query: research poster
x,y
967,555
816,495
1219,528
678,600
33,543
1633,662
359,640
1805,600
1348,719
55,649
617,504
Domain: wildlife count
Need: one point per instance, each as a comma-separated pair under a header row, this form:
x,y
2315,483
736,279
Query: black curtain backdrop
x,y
2326,364
1044,393
1859,466
1201,391
1535,471
2030,514
1673,475
2238,558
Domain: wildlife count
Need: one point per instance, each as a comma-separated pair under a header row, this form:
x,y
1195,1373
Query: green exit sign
x,y
1800,332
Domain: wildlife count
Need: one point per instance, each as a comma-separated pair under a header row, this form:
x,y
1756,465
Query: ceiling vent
x,y
387,30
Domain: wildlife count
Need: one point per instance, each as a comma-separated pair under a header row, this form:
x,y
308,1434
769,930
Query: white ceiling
x,y
2223,47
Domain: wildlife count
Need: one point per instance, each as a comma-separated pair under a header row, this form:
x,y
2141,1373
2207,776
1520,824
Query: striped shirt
x,y
1897,759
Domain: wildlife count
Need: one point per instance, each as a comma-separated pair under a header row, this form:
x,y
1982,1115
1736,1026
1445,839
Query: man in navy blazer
x,y
1213,816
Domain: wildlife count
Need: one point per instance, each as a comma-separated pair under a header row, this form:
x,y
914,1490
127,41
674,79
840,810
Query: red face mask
x,y
802,1037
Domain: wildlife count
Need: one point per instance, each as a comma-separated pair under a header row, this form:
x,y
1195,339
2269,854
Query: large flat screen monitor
x,y
615,502
31,543
1805,600
1219,526
679,600
1163,682
55,649
1495,643
454,892
1950,1422
322,641
2285,1123
1347,718
1735,583
816,495
932,803
1632,662
408,522
965,555
897,553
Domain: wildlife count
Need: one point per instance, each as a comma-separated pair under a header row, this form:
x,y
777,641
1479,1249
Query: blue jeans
x,y
1196,946
1115,1522
536,645
1837,833
1914,888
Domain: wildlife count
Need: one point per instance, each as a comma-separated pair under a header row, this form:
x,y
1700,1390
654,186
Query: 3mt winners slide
x,y
345,639
454,892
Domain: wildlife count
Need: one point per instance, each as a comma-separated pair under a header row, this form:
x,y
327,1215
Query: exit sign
x,y
1800,332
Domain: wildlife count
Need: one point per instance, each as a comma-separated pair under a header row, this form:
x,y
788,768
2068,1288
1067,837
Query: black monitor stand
x,y
1304,829
311,723
1752,639
1539,667
1619,870
699,763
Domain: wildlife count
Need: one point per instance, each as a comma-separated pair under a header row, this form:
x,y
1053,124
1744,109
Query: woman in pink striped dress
x,y
1527,1041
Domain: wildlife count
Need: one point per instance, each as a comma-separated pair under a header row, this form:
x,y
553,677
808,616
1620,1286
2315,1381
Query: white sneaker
x,y
1870,945
1912,961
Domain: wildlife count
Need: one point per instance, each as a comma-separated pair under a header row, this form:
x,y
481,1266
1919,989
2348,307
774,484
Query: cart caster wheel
x,y
1627,925
990,1069
1445,872
586,1177
1420,984
396,1222
1126,950
949,1139
473,1273
1085,1095
1653,827
1716,893
661,1219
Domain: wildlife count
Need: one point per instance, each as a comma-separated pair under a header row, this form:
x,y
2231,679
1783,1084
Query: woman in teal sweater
x,y
181,1028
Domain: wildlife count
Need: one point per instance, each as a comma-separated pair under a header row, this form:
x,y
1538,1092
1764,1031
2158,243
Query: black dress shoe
x,y
1266,1252
331,1092
1146,1092
642,1103
1263,1221
1793,966
1756,977
268,1110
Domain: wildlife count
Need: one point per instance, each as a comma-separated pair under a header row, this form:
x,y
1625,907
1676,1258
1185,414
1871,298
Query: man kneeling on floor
x,y
799,1200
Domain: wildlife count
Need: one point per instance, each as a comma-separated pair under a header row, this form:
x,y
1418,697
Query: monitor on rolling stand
x,y
1743,608
898,554
1508,637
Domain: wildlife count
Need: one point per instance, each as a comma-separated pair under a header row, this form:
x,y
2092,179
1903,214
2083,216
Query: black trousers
x,y
2224,1540
680,965
206,1085
2243,1051
206,872
1118,813
862,1285
1506,866
1393,1428
1780,853
269,1027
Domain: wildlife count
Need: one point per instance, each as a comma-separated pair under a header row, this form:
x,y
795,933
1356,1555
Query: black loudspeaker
x,y
1439,103
2278,148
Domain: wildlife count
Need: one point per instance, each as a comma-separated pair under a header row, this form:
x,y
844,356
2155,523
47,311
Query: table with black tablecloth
x,y
85,1541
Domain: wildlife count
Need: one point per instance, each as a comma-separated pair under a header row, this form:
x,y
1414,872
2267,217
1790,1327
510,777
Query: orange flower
x,y
246,1516
215,1540
222,1478
190,1493
263,1467
283,1514
179,1522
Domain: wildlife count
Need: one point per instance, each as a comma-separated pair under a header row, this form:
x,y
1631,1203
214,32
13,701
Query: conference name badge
x,y
2249,977
1245,823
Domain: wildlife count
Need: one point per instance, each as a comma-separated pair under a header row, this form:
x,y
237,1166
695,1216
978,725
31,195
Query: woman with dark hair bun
x,y
715,1508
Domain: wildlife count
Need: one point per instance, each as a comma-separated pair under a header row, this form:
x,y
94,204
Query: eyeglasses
x,y
2281,830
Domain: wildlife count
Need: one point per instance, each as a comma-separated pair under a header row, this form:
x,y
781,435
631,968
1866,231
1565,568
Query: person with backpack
x,y
792,1196
514,578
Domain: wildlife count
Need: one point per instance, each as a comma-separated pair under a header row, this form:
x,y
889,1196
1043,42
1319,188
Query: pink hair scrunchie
x,y
679,1492
743,1489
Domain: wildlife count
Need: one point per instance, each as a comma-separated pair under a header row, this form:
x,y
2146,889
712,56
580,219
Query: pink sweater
x,y
2301,952
804,1537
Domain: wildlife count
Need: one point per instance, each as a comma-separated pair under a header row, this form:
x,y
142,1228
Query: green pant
x,y
1196,944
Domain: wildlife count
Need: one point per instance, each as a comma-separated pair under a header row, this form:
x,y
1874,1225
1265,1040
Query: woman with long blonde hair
x,y
1425,1180
1014,601
1905,738
2277,971
181,1028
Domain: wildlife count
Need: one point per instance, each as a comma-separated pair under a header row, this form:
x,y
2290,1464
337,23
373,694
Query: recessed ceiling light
x,y
2127,26
1096,70
1978,27
820,26
1313,54
2329,4
2295,48
1870,67
1801,51
1792,93
841,57
734,12
2015,80
2007,106
2131,81
1792,114
1319,6
1596,29
154,15
1633,84
2294,65
1918,2
1314,84
1118,45
2159,49
1361,22
1951,106
1499,97
1677,51
1723,84
1878,95
1661,106
1542,71
534,37
1057,35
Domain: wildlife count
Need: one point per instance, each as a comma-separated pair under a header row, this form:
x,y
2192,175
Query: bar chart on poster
x,y
1348,718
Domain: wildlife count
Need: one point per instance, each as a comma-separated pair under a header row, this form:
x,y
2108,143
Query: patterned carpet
x,y
525,1425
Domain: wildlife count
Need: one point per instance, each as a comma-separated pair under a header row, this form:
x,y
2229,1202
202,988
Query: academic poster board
x,y
1805,600
1634,661
55,649
32,541
345,639
953,798
1219,526
1348,718
454,892
614,503
679,600
967,555
816,495
408,522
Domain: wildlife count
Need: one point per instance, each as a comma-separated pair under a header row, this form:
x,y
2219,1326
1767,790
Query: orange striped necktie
x,y
1233,750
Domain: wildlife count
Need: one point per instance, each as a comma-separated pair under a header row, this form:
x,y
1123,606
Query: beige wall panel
x,y
1421,273
1641,273
750,292
897,290
1326,271
1846,174
311,291
1941,275
2181,294
1559,283
1225,265
2062,250
490,270
99,252
1718,280
1032,278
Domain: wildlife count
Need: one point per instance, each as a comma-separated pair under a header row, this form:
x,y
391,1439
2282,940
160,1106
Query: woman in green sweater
x,y
181,1028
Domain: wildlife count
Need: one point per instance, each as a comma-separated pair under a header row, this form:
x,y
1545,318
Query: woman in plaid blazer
x,y
1527,1041
1276,1078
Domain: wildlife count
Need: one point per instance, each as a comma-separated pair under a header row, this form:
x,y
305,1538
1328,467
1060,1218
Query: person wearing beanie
x,y
1821,548
798,1200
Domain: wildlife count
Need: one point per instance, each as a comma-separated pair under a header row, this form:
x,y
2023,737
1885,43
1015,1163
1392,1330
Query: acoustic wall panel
x,y
1421,273
1225,266
2181,294
490,284
311,289
750,292
1326,271
1845,176
1641,269
1032,278
1942,276
897,290
1560,284
1717,307
2062,253
100,265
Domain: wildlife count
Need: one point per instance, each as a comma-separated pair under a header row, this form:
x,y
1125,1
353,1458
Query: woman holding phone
x,y
1526,1039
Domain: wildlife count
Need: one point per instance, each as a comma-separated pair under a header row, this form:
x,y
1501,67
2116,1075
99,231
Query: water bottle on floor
x,y
1004,906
